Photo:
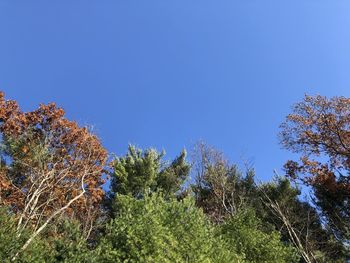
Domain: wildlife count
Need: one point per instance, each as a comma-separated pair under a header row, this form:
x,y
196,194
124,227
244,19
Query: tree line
x,y
64,198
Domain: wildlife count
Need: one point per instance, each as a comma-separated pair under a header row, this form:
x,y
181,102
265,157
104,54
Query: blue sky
x,y
168,73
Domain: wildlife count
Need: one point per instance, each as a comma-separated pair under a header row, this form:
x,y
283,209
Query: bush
x,y
243,233
156,230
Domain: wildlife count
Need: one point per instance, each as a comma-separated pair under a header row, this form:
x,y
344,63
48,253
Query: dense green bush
x,y
243,234
156,230
11,243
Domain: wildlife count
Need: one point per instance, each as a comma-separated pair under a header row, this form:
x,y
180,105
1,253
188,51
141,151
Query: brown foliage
x,y
49,157
319,129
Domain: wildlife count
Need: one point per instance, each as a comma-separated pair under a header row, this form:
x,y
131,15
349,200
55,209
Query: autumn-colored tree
x,y
319,130
51,176
50,168
223,191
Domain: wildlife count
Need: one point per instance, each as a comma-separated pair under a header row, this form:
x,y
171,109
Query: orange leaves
x,y
50,155
319,129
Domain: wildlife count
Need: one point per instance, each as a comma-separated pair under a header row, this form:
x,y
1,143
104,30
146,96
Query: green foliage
x,y
335,207
303,217
243,233
228,219
68,244
157,230
61,243
141,172
221,189
224,190
11,243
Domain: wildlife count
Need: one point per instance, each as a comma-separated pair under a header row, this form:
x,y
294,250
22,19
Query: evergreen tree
x,y
303,218
140,172
243,233
11,243
154,229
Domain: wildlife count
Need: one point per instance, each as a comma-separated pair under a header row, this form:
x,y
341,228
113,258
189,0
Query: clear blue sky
x,y
167,73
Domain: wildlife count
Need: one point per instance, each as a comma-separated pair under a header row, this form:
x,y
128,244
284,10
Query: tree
x,y
319,129
243,233
154,229
140,172
223,191
10,243
297,221
69,244
220,188
51,167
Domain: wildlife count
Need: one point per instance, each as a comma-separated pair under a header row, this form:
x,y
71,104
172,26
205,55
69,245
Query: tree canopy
x,y
319,129
56,206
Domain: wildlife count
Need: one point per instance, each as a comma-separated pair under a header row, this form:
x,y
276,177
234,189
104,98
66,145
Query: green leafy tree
x,y
140,172
154,229
243,233
220,188
10,242
297,221
69,244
